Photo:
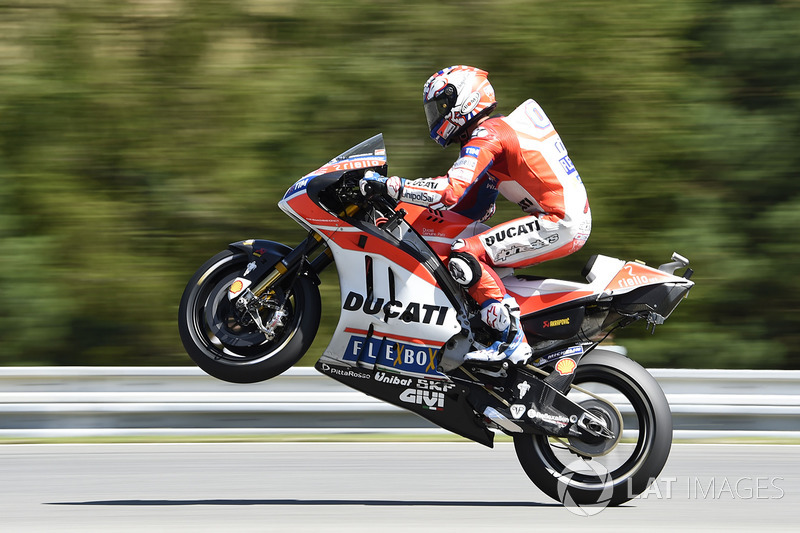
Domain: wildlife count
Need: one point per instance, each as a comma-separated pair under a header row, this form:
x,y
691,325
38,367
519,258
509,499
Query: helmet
x,y
454,98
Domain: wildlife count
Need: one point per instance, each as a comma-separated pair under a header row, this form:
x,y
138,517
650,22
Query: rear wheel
x,y
593,475
229,345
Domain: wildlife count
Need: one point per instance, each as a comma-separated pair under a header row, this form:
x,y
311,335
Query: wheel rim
x,y
218,330
619,462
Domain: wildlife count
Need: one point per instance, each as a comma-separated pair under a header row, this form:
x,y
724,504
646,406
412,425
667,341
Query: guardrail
x,y
97,401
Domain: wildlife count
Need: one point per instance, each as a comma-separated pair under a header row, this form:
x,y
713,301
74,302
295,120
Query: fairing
x,y
400,306
395,315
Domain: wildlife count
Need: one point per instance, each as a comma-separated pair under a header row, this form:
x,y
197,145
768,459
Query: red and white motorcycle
x,y
589,425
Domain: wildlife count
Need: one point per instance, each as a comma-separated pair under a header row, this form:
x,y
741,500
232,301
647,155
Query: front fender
x,y
267,252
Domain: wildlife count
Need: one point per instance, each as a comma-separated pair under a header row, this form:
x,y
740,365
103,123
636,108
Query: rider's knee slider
x,y
464,268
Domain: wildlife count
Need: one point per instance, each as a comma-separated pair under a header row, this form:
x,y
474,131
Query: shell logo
x,y
237,287
566,366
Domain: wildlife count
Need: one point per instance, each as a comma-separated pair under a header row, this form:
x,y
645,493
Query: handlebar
x,y
349,192
371,189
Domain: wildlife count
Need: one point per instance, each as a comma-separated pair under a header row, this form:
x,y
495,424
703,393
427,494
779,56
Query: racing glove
x,y
373,183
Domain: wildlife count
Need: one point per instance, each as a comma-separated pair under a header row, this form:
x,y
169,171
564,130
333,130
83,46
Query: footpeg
x,y
501,420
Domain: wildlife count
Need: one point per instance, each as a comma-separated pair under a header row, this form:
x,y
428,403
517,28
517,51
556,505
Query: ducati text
x,y
412,312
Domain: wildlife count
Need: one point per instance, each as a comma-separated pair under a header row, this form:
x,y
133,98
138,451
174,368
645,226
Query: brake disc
x,y
592,446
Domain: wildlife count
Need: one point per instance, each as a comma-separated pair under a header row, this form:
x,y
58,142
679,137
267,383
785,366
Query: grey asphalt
x,y
354,487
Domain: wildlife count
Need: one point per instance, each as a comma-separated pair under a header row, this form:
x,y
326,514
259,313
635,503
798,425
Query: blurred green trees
x,y
139,137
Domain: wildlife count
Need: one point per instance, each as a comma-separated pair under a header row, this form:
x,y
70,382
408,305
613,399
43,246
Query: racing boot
x,y
513,346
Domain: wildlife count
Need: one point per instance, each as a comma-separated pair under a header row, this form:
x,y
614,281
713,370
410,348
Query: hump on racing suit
x,y
522,157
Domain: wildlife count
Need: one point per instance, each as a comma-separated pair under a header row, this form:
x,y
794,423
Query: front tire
x,y
220,344
625,471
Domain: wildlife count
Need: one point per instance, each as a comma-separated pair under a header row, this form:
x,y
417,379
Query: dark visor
x,y
440,106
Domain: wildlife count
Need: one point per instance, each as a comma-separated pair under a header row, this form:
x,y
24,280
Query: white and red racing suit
x,y
522,157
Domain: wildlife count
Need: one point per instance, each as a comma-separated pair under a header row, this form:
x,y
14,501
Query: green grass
x,y
741,440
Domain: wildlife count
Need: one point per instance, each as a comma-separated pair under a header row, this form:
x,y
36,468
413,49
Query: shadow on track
x,y
378,503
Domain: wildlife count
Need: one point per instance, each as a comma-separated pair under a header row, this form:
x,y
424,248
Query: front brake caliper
x,y
251,305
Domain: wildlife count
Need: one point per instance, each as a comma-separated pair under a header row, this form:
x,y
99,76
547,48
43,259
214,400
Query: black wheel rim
x,y
218,329
628,458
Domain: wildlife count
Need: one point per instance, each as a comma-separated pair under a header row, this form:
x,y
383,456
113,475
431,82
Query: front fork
x,y
294,261
258,288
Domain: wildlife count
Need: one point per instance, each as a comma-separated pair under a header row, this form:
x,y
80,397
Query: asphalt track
x,y
353,487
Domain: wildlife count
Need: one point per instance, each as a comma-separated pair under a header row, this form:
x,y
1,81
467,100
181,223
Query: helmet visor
x,y
437,108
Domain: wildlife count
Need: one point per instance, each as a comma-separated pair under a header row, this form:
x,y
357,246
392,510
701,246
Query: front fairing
x,y
399,305
369,154
302,202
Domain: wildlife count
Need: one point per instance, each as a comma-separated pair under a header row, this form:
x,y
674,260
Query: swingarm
x,y
531,405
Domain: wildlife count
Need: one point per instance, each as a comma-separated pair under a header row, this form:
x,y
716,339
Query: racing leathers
x,y
522,157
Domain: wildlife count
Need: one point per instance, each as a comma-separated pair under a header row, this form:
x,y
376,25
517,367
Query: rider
x,y
520,156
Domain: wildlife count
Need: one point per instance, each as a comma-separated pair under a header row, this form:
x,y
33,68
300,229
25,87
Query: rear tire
x,y
586,482
219,344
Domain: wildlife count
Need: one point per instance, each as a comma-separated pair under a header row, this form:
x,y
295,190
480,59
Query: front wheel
x,y
592,476
232,348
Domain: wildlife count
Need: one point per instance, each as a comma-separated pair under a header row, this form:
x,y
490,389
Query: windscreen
x,y
368,154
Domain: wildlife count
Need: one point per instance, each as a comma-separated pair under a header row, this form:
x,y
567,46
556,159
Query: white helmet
x,y
454,98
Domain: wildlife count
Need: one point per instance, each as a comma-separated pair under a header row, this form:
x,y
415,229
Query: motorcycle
x,y
589,425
